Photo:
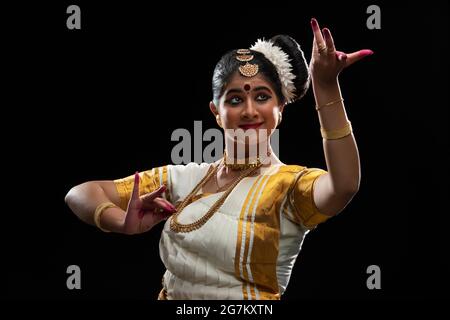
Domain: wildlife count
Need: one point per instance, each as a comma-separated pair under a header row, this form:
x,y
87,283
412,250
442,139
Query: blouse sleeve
x,y
150,180
301,200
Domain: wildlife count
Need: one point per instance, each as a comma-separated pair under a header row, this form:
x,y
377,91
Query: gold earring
x,y
218,120
280,117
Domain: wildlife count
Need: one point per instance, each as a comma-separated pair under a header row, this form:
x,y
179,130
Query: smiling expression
x,y
248,103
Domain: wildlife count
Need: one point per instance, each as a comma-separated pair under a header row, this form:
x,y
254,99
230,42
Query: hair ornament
x,y
281,61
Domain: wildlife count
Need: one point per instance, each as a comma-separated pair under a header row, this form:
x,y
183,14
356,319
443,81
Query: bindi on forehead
x,y
247,87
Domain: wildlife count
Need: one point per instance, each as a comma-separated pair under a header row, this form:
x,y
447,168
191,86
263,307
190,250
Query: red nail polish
x,y
174,210
366,52
314,23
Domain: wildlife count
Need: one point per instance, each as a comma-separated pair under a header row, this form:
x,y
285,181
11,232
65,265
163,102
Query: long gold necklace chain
x,y
196,189
175,226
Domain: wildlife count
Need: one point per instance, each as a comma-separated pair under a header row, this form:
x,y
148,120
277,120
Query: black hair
x,y
228,65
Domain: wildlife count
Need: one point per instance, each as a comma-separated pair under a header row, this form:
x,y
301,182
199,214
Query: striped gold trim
x,y
240,243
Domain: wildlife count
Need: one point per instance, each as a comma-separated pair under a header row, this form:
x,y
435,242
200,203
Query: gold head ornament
x,y
248,69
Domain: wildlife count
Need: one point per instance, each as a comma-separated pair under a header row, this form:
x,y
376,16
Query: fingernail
x,y
326,32
136,176
168,207
314,23
366,52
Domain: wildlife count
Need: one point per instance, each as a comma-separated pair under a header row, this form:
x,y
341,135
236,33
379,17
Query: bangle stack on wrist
x,y
99,211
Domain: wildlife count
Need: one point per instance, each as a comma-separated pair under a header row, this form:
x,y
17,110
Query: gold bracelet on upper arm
x,y
338,133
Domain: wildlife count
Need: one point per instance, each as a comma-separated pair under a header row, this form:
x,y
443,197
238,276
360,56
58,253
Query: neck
x,y
237,159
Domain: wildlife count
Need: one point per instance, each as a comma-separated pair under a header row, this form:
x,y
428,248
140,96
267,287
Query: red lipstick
x,y
250,126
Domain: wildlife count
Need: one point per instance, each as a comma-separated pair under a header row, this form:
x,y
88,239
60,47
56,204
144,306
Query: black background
x,y
102,102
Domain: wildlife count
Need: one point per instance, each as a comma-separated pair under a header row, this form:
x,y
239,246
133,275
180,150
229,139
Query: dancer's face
x,y
249,103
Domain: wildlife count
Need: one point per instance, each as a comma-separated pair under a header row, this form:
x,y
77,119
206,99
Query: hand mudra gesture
x,y
144,212
326,62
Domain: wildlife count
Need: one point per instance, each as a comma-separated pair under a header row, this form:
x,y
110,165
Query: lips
x,y
250,126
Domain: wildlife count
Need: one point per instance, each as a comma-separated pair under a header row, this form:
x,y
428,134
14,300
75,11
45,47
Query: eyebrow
x,y
238,90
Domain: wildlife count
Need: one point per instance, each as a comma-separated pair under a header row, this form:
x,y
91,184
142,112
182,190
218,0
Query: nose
x,y
249,111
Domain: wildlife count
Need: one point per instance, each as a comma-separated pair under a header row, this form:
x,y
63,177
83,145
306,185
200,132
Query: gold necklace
x,y
216,182
241,166
175,226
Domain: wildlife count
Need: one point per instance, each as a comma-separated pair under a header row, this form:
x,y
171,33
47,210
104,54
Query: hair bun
x,y
297,59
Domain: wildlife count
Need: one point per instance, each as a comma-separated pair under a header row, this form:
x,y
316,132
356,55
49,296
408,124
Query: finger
x,y
152,195
154,205
356,56
134,202
162,212
149,205
341,56
319,43
329,40
135,192
164,204
162,215
156,214
158,203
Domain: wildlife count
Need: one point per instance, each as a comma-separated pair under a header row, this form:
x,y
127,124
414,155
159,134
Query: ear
x,y
213,108
282,107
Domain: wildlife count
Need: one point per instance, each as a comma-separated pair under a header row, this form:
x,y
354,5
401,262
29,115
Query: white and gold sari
x,y
248,248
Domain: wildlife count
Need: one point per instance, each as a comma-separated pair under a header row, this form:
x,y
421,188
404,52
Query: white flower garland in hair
x,y
280,60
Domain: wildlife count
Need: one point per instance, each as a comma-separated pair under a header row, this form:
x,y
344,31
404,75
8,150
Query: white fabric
x,y
201,264
291,239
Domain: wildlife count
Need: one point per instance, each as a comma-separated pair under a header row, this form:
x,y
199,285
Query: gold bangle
x,y
99,211
329,103
338,133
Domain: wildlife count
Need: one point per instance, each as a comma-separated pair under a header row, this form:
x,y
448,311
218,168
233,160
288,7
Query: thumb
x,y
358,55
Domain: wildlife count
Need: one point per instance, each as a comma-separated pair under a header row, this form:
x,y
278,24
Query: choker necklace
x,y
242,166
